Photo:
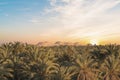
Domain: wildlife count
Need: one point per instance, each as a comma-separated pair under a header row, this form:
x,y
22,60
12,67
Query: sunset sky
x,y
81,21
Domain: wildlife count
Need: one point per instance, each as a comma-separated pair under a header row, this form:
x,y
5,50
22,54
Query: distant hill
x,y
57,43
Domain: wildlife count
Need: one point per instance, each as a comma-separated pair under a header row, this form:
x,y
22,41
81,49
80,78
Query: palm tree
x,y
111,68
5,52
86,67
17,49
99,54
112,49
5,72
65,56
40,66
5,62
64,73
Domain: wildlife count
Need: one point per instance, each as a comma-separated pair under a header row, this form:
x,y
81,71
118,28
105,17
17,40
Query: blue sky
x,y
15,16
60,20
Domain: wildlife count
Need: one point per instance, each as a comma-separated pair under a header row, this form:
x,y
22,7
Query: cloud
x,y
83,16
81,19
34,21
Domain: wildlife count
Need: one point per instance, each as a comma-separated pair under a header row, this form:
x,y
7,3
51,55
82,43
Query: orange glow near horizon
x,y
80,41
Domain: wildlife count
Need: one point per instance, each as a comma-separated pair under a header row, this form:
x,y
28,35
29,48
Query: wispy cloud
x,y
34,21
84,16
79,19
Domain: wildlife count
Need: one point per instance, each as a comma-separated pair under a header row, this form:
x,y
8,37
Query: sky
x,y
81,21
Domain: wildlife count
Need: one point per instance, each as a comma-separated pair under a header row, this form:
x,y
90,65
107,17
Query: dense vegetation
x,y
20,61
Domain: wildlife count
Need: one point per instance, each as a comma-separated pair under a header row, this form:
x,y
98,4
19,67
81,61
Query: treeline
x,y
19,61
